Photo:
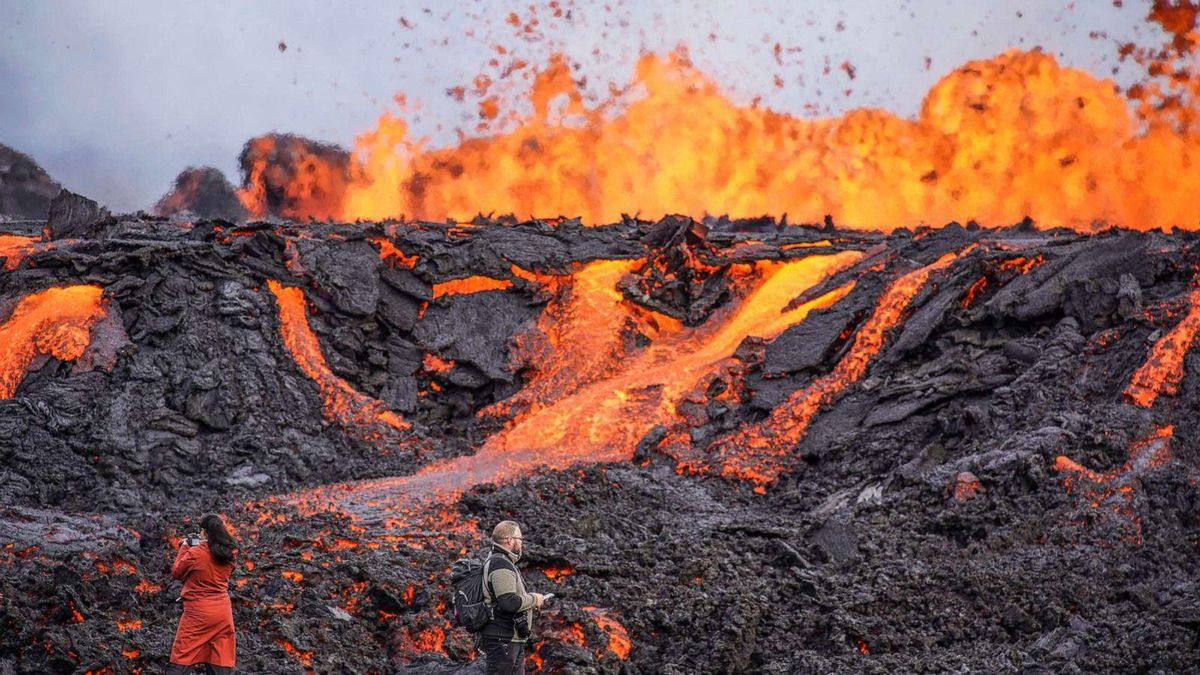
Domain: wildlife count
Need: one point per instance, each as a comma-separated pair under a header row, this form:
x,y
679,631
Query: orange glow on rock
x,y
593,400
342,402
430,639
56,321
292,575
128,624
573,632
1111,494
1163,370
618,638
301,655
965,487
389,251
436,364
557,574
972,292
13,248
474,284
754,452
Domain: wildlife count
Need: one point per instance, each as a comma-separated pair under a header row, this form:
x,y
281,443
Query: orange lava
x,y
56,321
430,639
301,655
1110,494
671,142
13,248
435,364
1163,370
557,574
572,632
974,291
342,402
292,575
128,624
618,638
594,399
473,284
622,399
389,251
753,451
965,487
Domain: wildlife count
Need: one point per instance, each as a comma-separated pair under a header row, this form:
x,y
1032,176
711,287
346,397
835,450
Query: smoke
x,y
114,99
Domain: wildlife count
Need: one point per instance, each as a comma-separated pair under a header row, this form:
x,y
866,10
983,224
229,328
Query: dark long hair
x,y
221,545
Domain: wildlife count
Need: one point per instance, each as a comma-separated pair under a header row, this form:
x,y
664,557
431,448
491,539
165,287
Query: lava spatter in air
x,y
756,452
341,402
1083,160
1163,370
57,322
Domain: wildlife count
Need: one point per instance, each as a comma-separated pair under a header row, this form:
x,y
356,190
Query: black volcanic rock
x,y
202,192
682,278
25,189
869,553
71,215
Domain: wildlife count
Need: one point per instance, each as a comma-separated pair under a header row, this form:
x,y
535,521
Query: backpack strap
x,y
489,596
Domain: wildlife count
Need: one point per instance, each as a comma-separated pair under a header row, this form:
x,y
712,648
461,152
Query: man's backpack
x,y
471,609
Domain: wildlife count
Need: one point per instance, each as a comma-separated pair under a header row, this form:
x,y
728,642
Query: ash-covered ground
x,y
991,478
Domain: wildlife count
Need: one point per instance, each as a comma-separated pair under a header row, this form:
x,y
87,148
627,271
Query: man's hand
x,y
538,600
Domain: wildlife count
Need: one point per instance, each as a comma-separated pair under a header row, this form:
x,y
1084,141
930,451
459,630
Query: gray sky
x,y
115,98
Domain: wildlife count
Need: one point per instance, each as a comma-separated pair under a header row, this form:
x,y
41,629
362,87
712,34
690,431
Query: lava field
x,y
734,445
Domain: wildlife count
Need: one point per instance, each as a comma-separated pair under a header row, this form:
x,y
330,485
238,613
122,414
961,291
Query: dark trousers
x,y
504,657
206,668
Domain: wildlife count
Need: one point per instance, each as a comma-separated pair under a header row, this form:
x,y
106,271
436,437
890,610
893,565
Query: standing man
x,y
503,639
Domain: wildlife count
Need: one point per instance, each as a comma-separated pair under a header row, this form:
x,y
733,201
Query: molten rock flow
x,y
734,446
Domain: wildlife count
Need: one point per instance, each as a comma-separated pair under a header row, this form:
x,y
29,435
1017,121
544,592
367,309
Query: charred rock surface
x,y
989,492
201,192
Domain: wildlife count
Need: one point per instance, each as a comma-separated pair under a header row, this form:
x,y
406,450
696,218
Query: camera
x,y
192,539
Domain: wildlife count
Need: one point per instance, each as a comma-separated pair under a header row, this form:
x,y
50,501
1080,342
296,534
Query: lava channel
x,y
56,321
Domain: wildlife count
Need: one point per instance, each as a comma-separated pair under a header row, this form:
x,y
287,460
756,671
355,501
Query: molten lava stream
x,y
13,248
1163,370
578,339
754,452
603,420
468,285
341,402
56,321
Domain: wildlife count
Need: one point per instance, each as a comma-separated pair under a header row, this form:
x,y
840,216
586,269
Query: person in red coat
x,y
205,636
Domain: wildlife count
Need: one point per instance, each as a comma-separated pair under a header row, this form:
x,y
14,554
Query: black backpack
x,y
471,609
